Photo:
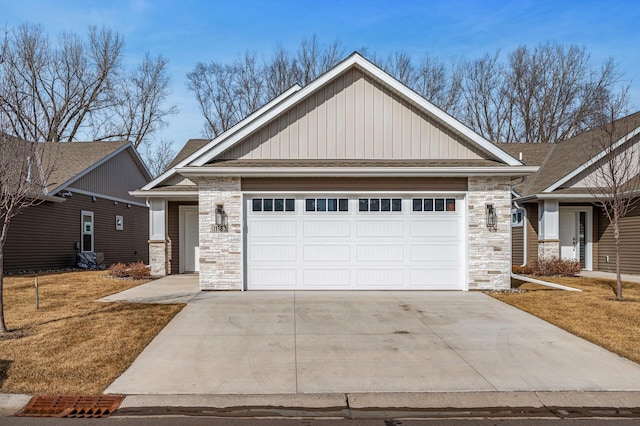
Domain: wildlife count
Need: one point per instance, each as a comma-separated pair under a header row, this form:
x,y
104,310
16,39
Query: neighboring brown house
x,y
87,208
559,216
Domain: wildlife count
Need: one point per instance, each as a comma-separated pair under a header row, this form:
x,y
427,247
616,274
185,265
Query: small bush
x,y
118,270
139,271
550,267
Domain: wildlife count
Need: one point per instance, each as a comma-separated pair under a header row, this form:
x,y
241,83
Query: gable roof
x,y
75,159
189,148
568,158
533,154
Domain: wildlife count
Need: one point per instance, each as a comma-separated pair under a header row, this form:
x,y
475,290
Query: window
x,y
119,223
326,204
380,204
434,204
517,216
86,241
273,205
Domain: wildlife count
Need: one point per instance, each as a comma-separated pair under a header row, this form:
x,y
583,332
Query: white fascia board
x,y
355,171
221,138
356,59
106,197
593,160
164,194
92,167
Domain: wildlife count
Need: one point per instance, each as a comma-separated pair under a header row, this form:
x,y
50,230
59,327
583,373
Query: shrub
x,y
552,266
139,271
118,270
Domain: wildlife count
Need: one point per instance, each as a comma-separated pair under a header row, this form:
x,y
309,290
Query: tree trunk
x,y
616,237
3,327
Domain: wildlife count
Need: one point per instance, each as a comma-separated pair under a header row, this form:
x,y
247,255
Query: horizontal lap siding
x,y
354,184
517,245
531,224
629,243
43,236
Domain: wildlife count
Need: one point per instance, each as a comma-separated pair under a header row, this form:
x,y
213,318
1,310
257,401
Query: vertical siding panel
x,y
387,109
341,149
285,141
368,120
321,108
415,134
303,130
349,117
359,116
312,128
331,121
434,141
293,132
378,122
406,132
397,129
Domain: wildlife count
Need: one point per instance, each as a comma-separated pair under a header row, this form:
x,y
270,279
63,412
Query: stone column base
x,y
548,249
158,258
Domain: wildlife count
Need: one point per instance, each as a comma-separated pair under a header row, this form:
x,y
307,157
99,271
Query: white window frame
x,y
83,232
515,212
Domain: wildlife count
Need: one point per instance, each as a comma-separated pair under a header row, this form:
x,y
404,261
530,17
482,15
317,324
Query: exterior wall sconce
x,y
115,203
93,199
221,224
128,206
492,218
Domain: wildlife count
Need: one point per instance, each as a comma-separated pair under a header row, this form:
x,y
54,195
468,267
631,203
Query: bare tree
x,y
77,88
24,170
158,156
226,93
614,180
440,83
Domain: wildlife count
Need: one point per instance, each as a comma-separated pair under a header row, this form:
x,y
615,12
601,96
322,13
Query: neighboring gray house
x,y
558,216
352,182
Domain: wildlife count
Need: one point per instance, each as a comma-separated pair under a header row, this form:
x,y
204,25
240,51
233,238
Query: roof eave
x,y
355,171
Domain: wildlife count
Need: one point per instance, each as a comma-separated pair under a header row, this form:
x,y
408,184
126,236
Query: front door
x,y
573,235
189,240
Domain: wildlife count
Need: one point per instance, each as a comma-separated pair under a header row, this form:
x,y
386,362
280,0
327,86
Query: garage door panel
x,y
437,279
380,228
437,228
380,253
353,249
380,278
277,278
274,228
271,253
326,229
326,253
435,253
326,278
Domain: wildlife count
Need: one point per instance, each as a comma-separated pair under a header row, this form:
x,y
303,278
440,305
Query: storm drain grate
x,y
71,406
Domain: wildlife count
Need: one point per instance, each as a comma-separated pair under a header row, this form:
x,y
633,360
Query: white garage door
x,y
355,242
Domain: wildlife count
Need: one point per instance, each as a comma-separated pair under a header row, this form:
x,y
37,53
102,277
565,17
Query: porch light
x,y
492,218
221,219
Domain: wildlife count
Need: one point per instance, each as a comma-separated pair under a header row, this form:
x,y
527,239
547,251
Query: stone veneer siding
x,y
158,258
220,252
548,249
489,251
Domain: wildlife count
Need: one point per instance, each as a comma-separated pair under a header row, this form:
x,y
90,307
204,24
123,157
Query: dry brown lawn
x,y
72,344
593,314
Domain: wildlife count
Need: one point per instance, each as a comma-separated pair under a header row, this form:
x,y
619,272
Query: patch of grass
x,y
594,314
72,344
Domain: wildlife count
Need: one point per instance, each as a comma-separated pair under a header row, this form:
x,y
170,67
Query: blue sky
x,y
190,31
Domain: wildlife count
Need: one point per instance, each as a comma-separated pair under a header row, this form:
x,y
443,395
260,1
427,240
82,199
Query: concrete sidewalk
x,y
170,289
272,343
609,276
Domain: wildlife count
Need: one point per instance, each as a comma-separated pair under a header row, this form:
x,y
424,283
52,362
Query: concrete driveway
x,y
376,341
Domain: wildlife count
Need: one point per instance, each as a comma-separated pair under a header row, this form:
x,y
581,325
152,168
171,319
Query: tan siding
x,y
517,245
173,232
353,116
43,237
629,246
114,178
532,233
354,184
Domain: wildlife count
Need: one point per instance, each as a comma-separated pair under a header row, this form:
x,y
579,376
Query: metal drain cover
x,y
71,406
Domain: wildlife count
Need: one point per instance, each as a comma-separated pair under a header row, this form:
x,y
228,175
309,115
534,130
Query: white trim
x,y
365,65
84,213
356,171
106,197
588,244
181,237
100,162
593,160
221,138
165,194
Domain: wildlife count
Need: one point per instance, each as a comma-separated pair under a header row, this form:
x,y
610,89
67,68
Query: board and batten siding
x,y
114,178
629,245
43,236
353,116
